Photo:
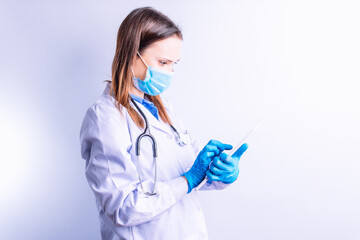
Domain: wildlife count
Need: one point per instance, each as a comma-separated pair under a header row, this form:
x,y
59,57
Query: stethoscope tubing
x,y
147,133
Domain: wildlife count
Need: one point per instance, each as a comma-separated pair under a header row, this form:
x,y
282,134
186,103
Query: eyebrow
x,y
170,60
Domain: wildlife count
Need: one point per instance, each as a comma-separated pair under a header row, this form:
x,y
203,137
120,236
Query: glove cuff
x,y
189,180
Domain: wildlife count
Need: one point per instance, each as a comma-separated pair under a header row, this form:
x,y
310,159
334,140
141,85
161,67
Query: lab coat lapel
x,y
159,124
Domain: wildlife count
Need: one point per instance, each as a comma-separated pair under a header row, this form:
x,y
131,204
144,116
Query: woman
x,y
148,197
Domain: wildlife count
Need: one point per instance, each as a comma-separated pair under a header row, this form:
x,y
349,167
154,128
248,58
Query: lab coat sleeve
x,y
112,175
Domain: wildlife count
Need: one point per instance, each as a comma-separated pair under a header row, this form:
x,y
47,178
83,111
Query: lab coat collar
x,y
107,90
159,124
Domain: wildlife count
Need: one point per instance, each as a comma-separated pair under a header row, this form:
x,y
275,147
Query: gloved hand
x,y
198,170
225,168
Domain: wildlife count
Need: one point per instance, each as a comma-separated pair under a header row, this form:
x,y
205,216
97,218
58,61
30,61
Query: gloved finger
x,y
212,148
216,171
240,151
231,177
207,154
220,164
224,157
220,145
212,177
227,160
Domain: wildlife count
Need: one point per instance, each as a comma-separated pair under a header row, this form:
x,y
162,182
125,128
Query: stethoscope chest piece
x,y
183,138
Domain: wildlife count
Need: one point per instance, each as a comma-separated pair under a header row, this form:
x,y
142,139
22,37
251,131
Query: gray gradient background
x,y
292,65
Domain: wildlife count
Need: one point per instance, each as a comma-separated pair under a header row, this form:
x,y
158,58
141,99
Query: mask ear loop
x,y
142,59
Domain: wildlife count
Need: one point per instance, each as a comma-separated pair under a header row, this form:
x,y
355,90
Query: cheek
x,y
140,72
143,74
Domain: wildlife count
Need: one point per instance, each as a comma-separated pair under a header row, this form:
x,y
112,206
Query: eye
x,y
162,62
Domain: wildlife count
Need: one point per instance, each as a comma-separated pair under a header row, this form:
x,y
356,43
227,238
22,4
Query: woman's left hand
x,y
225,168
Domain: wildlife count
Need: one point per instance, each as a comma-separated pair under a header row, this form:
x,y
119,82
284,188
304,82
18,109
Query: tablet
x,y
234,149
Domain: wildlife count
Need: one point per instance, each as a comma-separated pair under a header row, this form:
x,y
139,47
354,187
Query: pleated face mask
x,y
156,80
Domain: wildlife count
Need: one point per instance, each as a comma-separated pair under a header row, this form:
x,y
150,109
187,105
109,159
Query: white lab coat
x,y
108,145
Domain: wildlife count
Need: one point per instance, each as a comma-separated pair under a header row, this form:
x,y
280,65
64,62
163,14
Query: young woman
x,y
141,163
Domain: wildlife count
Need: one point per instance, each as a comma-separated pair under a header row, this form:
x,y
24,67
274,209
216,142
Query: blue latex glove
x,y
225,168
198,170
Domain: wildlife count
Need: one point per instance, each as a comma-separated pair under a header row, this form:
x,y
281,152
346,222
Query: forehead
x,y
169,48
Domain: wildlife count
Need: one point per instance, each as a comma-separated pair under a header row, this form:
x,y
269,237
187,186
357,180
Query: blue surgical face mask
x,y
156,80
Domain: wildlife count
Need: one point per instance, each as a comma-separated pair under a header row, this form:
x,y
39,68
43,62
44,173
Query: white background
x,y
293,66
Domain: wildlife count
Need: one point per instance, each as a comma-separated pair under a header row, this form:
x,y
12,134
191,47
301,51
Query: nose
x,y
173,67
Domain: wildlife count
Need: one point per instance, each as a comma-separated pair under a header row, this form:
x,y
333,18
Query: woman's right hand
x,y
198,170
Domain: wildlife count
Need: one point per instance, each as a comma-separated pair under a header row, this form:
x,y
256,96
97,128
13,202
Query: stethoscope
x,y
179,137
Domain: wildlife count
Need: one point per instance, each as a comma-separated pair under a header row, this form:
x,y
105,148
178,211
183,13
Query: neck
x,y
136,92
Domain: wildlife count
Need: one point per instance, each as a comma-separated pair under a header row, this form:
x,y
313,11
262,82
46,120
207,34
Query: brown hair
x,y
140,28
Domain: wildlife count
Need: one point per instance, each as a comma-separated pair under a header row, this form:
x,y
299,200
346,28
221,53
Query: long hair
x,y
140,28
